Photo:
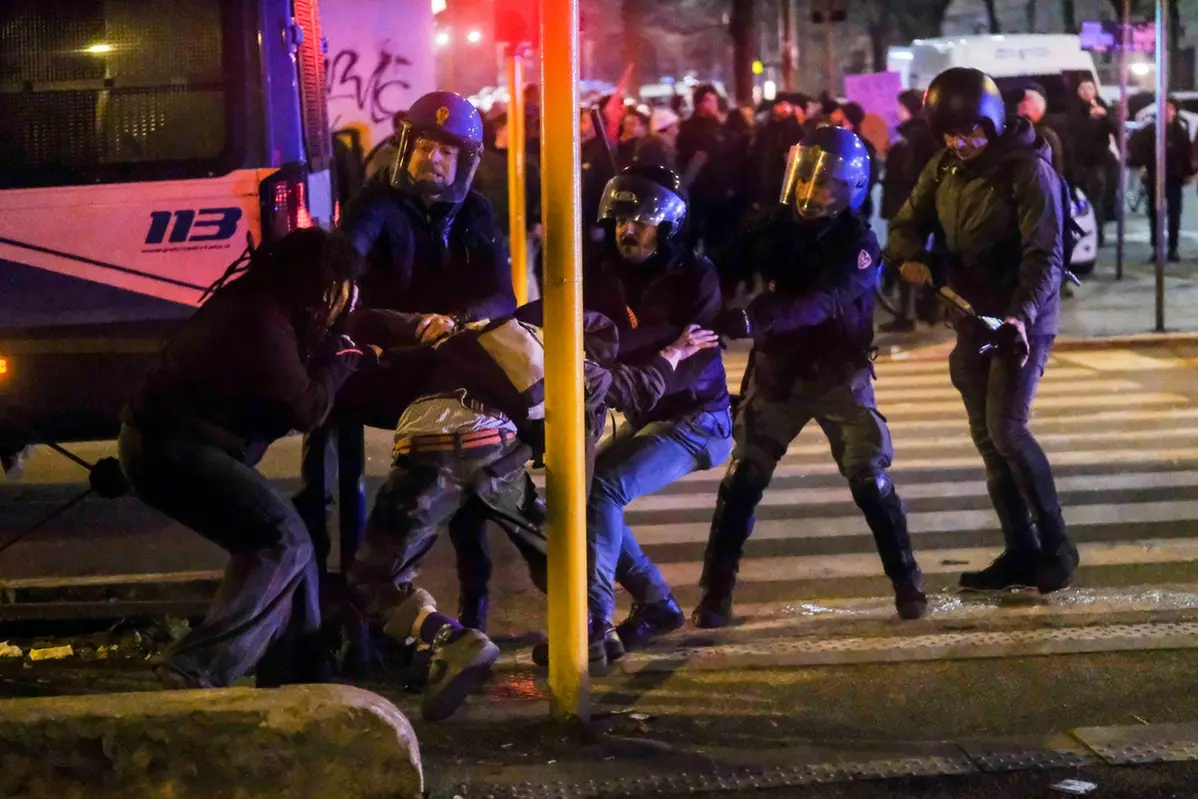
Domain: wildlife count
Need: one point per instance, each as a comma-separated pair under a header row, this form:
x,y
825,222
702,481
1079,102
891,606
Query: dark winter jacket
x,y
998,218
491,182
652,304
1090,138
237,377
716,181
904,162
446,260
771,145
817,312
1179,164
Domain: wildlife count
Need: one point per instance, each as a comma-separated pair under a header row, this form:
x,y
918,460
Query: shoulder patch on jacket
x,y
864,259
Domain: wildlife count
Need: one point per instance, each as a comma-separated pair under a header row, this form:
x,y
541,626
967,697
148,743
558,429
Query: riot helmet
x,y
438,148
650,196
827,173
962,98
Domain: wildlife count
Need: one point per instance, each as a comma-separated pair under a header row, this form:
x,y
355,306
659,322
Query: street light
x,y
442,38
474,37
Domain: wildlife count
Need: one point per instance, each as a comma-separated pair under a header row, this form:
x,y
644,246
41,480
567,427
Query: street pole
x,y
1162,92
517,217
565,426
1121,208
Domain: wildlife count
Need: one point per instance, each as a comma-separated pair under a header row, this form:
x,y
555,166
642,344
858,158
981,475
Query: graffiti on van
x,y
381,92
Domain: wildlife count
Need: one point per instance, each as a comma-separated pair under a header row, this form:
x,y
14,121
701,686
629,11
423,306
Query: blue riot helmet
x,y
825,174
645,193
438,148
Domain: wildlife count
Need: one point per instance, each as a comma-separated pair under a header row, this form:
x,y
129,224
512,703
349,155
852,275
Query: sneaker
x,y
713,612
648,621
600,653
1055,569
910,601
897,326
1010,570
460,667
171,679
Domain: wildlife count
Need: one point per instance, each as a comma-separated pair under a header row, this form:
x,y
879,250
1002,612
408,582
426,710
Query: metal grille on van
x,y
91,84
311,63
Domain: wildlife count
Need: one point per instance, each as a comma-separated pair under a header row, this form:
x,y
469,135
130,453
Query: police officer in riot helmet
x,y
662,296
431,247
812,333
996,206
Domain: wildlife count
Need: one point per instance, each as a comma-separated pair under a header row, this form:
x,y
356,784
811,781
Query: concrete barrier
x,y
327,741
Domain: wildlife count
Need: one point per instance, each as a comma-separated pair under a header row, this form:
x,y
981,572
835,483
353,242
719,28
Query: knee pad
x,y
745,481
871,489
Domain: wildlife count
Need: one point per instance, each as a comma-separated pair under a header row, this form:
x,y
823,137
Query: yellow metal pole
x,y
565,426
517,217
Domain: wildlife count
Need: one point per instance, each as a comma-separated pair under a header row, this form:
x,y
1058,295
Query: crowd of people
x,y
404,318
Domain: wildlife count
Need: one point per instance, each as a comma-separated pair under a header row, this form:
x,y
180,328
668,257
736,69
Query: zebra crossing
x,y
1120,432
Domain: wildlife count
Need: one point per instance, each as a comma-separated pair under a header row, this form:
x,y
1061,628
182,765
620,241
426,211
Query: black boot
x,y
731,525
1055,568
472,611
887,519
647,622
1010,570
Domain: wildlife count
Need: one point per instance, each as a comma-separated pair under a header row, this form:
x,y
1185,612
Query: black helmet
x,y
647,193
962,97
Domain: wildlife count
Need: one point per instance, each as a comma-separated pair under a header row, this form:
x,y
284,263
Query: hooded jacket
x,y
998,219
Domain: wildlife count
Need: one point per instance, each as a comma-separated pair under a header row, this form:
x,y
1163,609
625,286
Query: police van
x,y
1056,62
146,145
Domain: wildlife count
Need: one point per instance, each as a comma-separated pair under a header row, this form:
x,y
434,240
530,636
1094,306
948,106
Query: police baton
x,y
601,132
995,337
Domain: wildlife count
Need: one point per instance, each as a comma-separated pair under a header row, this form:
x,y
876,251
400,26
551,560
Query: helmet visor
x,y
437,167
641,200
815,182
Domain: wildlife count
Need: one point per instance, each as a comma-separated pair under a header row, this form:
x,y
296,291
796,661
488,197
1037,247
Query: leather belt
x,y
451,442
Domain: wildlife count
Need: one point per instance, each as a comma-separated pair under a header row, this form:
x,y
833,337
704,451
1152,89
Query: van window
x,y
1060,88
96,91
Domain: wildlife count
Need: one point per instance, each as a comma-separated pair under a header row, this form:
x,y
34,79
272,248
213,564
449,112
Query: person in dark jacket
x,y
656,290
1091,127
466,439
1032,106
995,199
912,149
256,361
812,337
712,193
431,246
771,145
1179,170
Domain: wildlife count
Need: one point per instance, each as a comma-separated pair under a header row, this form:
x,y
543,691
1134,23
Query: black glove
x,y
734,323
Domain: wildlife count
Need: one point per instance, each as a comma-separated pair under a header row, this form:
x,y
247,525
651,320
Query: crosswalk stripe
x,y
945,561
886,395
853,524
795,497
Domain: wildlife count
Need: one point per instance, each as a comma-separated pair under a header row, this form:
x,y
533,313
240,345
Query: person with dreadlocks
x,y
257,360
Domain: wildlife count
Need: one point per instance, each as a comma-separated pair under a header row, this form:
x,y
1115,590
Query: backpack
x,y
1071,231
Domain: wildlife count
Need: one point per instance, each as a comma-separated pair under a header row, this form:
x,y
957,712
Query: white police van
x,y
145,145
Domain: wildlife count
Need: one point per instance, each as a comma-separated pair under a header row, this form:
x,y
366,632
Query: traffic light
x,y
517,22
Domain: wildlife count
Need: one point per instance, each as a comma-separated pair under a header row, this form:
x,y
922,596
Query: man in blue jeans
x,y
644,278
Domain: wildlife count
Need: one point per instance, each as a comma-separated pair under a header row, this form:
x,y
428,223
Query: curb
x,y
674,771
1130,340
